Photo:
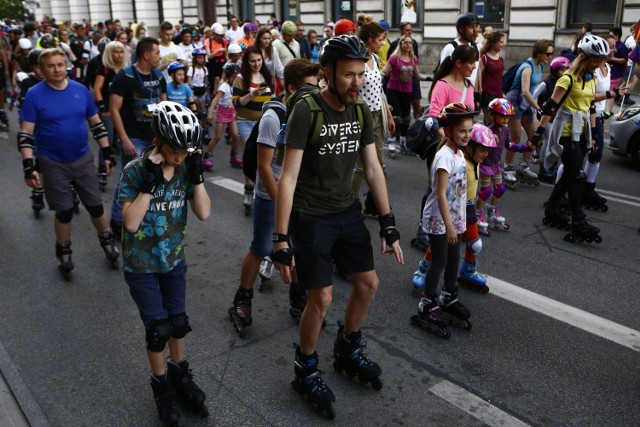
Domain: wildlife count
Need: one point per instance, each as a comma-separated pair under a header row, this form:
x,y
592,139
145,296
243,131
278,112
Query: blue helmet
x,y
175,66
198,51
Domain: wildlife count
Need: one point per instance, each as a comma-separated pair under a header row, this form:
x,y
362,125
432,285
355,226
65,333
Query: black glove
x,y
388,228
195,168
29,167
537,135
102,107
107,153
283,256
152,178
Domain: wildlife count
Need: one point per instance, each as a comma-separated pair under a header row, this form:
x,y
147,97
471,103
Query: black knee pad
x,y
180,325
65,216
158,334
95,211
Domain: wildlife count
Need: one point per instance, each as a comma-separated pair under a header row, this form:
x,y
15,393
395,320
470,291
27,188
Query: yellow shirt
x,y
472,179
383,53
579,98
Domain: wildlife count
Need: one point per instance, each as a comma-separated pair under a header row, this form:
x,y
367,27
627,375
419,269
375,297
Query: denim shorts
x,y
158,295
244,128
319,239
264,212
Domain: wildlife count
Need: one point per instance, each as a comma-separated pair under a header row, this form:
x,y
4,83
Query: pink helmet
x,y
482,135
502,106
559,62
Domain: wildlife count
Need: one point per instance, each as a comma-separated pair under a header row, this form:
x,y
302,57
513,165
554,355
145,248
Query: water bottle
x,y
280,144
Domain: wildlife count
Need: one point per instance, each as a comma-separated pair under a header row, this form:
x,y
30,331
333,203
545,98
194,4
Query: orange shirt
x,y
246,40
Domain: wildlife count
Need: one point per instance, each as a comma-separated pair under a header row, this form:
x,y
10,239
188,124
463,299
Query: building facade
x,y
524,21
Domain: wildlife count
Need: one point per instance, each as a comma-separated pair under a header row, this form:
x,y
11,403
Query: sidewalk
x,y
10,412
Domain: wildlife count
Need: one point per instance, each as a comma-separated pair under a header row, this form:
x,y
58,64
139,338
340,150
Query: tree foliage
x,y
12,9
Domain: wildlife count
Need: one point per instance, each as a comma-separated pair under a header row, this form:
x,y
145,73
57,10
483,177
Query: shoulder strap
x,y
317,116
464,91
566,93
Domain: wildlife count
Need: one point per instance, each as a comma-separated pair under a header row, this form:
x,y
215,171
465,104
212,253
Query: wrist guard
x,y
195,168
537,135
549,107
26,140
152,178
283,256
388,228
102,107
28,167
279,237
99,130
107,153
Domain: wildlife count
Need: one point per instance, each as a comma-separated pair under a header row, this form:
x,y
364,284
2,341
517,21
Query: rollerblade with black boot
x,y
187,391
548,175
109,247
525,175
349,356
555,216
240,312
164,395
265,271
431,318
37,201
582,231
4,121
308,382
495,220
457,312
470,279
247,201
65,264
419,277
592,200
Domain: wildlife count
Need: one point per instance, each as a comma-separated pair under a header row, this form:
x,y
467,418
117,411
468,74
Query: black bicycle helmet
x,y
47,41
454,111
343,47
466,19
176,126
32,59
230,69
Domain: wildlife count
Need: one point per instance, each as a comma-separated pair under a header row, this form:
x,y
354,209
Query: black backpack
x,y
420,140
250,155
508,79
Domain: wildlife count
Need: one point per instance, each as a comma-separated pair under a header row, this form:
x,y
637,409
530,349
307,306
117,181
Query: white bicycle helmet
x,y
234,48
25,43
217,28
594,46
176,126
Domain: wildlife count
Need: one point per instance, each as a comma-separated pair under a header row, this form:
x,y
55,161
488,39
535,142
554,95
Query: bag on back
x,y
420,139
250,154
508,79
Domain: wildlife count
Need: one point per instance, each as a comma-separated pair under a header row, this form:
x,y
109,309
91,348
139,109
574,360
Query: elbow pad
x,y
549,108
99,130
26,140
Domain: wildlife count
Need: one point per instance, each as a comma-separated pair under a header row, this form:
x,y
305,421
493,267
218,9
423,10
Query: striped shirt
x,y
252,111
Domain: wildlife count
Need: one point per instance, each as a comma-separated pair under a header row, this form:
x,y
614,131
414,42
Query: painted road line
x,y
565,313
612,196
227,183
474,406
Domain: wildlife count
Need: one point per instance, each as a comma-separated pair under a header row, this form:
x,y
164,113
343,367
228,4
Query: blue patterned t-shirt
x,y
156,247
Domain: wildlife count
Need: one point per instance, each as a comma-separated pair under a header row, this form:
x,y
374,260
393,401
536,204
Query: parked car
x,y
624,135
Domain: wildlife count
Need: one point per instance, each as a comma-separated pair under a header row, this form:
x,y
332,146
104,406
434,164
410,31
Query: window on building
x,y
247,10
290,10
490,12
598,13
410,11
343,9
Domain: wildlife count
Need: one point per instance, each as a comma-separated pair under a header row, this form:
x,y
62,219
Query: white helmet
x,y
217,28
234,48
25,43
177,126
594,46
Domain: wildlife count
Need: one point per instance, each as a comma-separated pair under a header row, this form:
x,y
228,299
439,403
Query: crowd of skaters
x,y
235,78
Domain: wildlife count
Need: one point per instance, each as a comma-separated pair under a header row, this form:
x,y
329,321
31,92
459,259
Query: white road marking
x,y
580,319
227,183
474,406
613,196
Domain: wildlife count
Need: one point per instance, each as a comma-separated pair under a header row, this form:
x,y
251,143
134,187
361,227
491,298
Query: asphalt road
x,y
77,348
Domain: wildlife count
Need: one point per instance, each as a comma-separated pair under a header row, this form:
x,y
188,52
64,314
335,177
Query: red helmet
x,y
457,110
343,26
502,106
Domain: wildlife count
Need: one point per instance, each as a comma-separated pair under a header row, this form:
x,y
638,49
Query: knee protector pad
x,y
499,190
475,246
95,211
180,325
65,216
157,335
485,192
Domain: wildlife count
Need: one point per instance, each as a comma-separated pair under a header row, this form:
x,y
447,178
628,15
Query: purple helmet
x,y
482,135
502,106
249,27
560,62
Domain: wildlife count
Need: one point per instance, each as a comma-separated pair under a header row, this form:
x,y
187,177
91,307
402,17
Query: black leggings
x,y
444,257
572,179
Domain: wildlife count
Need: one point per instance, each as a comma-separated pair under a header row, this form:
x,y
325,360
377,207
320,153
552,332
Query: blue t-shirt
x,y
180,94
534,80
156,247
60,116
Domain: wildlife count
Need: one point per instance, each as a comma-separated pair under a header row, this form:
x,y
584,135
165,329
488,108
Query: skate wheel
x,y
545,221
467,325
443,333
376,383
598,239
331,413
66,275
115,264
605,208
247,211
507,227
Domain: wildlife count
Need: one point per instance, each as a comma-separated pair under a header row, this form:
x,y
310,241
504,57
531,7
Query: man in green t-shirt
x,y
315,206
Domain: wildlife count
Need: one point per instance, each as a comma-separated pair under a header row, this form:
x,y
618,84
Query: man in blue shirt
x,y
60,137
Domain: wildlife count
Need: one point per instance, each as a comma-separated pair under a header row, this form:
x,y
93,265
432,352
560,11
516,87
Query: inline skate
x,y
419,278
470,279
496,221
265,271
509,176
247,201
109,247
65,264
525,175
102,179
235,160
403,147
391,147
349,356
421,241
297,300
457,312
431,318
4,122
555,216
187,391
240,312
207,161
164,396
483,225
308,382
592,200
582,231
548,175
37,201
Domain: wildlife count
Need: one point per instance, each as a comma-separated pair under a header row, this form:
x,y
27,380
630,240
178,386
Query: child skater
x,y
198,79
225,115
491,185
444,220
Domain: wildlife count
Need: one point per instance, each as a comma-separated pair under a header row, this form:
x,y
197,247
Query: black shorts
x,y
215,69
416,91
319,239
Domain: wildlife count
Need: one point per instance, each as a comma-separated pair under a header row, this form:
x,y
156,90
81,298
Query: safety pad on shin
x,y
158,334
180,324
